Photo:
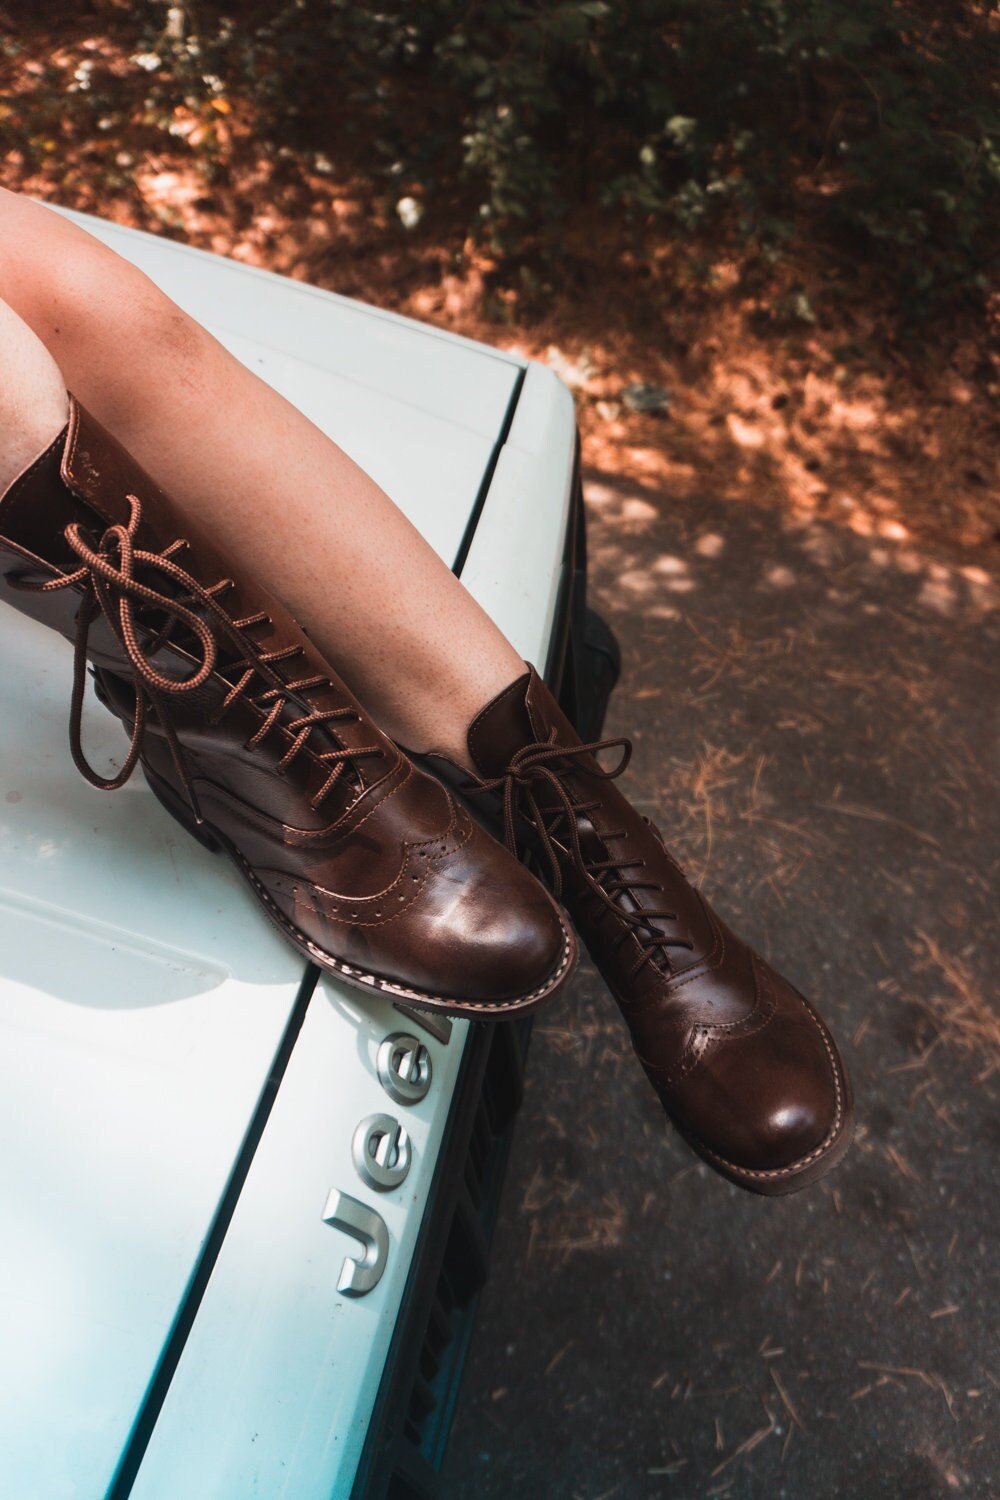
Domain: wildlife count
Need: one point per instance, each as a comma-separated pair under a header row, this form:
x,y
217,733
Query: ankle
x,y
33,400
436,721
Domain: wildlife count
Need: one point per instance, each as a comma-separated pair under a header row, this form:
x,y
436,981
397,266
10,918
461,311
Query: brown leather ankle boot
x,y
742,1063
247,736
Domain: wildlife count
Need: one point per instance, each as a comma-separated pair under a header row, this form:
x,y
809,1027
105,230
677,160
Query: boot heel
x,y
177,808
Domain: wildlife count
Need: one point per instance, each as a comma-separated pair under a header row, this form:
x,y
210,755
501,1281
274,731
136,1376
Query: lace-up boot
x,y
248,737
742,1063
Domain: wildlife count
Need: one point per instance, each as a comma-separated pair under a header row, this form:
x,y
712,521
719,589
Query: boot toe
x,y
497,938
479,937
771,1108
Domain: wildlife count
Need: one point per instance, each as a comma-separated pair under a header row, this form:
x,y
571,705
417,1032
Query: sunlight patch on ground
x,y
634,510
710,544
643,570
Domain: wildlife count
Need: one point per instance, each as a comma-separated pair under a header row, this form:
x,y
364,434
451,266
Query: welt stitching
x,y
387,986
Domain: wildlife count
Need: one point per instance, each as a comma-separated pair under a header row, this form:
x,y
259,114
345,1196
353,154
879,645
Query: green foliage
x,y
877,121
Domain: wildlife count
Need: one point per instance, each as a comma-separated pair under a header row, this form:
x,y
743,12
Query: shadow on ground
x,y
814,715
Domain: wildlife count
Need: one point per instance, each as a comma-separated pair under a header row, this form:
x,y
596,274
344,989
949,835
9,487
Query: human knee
x,y
88,304
98,317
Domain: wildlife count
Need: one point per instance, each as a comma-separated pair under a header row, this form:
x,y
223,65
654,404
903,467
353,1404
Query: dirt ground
x,y
815,719
840,411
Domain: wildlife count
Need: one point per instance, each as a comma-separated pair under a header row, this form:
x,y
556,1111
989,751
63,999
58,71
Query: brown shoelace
x,y
107,576
539,766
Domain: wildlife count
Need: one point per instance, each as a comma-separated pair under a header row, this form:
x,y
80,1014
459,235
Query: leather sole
x,y
471,1010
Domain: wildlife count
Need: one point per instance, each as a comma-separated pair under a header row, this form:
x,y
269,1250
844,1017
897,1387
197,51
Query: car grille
x,y
404,1460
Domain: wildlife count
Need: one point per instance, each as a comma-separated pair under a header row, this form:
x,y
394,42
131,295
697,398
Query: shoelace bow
x,y
111,588
539,765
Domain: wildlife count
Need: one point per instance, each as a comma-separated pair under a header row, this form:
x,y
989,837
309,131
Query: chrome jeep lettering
x,y
359,1274
381,1152
404,1068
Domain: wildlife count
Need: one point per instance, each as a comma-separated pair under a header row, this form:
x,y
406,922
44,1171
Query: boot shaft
x,y
86,483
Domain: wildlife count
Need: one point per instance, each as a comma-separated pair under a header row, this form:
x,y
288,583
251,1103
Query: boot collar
x,y
511,720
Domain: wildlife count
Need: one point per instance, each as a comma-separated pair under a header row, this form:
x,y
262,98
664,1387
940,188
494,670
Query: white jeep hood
x,y
143,995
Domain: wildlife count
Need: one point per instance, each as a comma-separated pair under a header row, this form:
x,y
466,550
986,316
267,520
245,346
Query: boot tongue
x,y
509,721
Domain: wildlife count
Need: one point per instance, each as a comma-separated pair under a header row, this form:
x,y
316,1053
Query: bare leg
x,y
404,901
33,403
256,470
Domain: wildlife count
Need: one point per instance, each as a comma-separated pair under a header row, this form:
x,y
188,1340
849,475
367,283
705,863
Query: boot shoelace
x,y
111,588
537,765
